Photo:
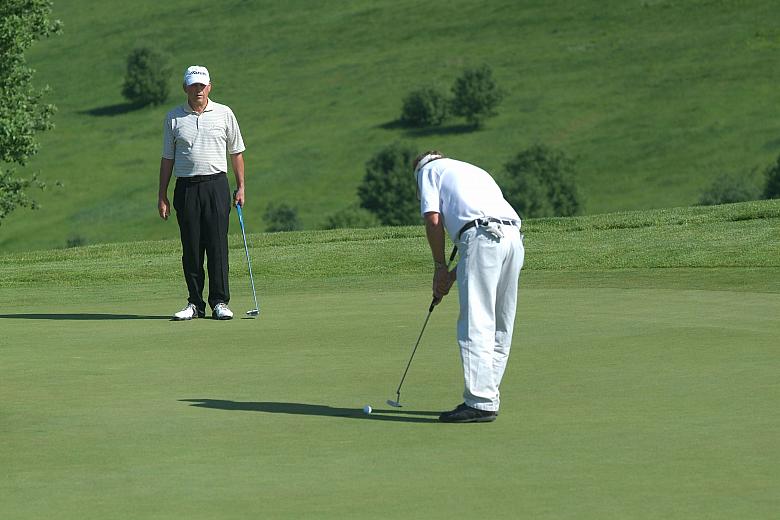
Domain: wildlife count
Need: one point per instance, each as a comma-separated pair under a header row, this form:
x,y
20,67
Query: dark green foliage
x,y
281,217
353,217
147,76
728,188
541,182
476,95
425,107
772,187
388,189
22,114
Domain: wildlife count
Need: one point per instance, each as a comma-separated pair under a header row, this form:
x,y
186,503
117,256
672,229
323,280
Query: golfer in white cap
x,y
465,201
197,138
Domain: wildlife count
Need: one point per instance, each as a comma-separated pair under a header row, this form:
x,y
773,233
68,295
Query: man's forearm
x,y
238,169
166,170
434,231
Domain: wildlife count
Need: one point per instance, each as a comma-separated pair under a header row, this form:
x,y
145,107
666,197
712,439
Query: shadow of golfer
x,y
82,316
314,409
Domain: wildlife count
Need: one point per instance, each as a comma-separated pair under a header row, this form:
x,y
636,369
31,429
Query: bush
x,y
388,189
281,217
146,80
353,217
772,187
476,95
728,188
425,107
541,182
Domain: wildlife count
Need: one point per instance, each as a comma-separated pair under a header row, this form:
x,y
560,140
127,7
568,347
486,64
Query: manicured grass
x,y
653,99
636,388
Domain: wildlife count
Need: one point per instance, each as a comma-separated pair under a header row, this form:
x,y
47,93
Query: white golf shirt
x,y
461,193
198,144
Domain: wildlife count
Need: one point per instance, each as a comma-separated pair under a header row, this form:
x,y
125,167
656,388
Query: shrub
x,y
476,95
353,217
728,188
772,187
281,217
541,182
425,107
388,189
146,80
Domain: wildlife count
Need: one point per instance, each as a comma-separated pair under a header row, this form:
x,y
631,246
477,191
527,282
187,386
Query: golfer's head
x,y
420,161
197,79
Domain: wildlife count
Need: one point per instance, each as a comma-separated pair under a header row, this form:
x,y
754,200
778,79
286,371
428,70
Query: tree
x,y
353,217
281,217
388,189
772,187
425,107
728,188
476,95
22,113
146,79
541,182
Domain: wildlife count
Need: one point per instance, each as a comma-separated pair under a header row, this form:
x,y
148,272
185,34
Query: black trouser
x,y
202,205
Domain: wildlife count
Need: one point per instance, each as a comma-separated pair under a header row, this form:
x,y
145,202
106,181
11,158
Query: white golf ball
x,y
367,409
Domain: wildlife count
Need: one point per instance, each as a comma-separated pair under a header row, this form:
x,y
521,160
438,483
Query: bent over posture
x,y
465,201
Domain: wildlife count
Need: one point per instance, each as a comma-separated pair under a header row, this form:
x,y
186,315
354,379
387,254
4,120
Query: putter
x,y
397,402
254,312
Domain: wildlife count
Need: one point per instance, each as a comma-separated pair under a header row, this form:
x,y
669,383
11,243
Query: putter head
x,y
253,312
394,404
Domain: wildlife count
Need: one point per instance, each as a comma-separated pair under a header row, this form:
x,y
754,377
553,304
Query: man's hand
x,y
238,197
442,282
164,207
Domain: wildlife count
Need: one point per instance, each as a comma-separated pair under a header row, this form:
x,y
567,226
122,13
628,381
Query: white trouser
x,y
488,273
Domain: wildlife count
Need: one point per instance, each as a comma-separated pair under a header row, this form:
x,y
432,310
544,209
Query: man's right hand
x,y
164,207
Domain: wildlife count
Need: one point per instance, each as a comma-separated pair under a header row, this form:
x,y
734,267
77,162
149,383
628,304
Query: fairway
x,y
642,381
618,403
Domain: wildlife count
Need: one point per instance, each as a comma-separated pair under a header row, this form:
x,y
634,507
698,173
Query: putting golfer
x,y
197,138
465,201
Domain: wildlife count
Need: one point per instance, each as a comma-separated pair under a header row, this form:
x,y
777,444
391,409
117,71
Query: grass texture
x,y
640,385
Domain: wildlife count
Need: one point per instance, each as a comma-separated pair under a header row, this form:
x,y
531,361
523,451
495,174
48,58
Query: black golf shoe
x,y
466,414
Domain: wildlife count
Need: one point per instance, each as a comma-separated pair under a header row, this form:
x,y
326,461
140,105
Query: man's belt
x,y
484,222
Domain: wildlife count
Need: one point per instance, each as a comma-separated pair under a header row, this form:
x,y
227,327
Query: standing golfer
x,y
467,202
197,137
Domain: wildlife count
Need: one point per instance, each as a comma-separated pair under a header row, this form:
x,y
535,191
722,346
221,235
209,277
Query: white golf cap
x,y
197,74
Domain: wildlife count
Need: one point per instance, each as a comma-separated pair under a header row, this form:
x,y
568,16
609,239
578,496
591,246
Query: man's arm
x,y
237,160
163,206
442,279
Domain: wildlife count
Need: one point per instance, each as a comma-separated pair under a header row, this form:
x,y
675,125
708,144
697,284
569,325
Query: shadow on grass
x,y
112,110
83,317
315,409
412,131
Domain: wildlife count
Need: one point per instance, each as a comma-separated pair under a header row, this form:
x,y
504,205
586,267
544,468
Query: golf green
x,y
629,394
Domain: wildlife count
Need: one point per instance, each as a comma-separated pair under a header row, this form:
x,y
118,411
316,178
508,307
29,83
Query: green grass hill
x,y
652,98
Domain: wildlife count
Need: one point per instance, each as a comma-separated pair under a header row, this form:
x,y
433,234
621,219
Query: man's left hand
x,y
442,282
238,197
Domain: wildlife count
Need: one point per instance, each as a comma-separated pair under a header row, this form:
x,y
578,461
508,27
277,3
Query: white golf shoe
x,y
189,312
221,312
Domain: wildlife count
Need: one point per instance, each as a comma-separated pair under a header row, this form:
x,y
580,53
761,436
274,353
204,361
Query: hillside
x,y
653,99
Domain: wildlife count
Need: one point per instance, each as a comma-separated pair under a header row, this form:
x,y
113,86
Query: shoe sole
x,y
224,318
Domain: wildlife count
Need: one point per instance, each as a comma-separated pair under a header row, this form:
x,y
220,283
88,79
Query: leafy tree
x,y
476,95
146,79
728,188
425,107
772,187
353,217
541,182
22,113
388,189
281,217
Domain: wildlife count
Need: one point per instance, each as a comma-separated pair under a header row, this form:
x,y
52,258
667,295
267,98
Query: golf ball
x,y
367,409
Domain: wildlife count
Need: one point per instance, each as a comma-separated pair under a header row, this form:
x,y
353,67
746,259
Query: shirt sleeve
x,y
235,143
169,142
429,192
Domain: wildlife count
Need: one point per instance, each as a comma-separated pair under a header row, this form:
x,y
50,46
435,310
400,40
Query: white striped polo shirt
x,y
199,144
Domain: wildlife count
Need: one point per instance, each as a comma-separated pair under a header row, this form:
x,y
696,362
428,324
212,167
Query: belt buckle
x,y
484,222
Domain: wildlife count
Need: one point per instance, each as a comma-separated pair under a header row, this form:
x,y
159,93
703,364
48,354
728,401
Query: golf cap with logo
x,y
197,74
